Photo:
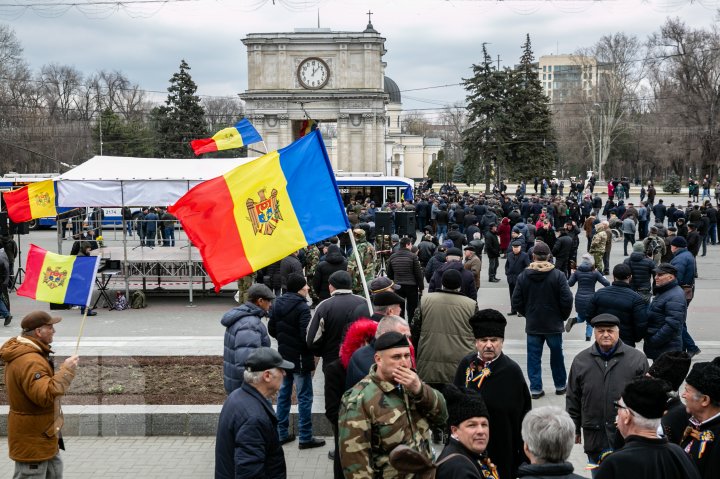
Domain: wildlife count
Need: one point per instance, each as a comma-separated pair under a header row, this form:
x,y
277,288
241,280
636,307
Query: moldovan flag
x,y
56,278
260,212
242,134
36,200
308,126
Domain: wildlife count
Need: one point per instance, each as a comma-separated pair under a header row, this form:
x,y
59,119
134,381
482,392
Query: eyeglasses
x,y
620,406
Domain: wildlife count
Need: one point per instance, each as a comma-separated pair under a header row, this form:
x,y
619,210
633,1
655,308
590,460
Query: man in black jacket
x,y
516,263
561,251
492,249
620,300
543,296
404,268
642,270
453,260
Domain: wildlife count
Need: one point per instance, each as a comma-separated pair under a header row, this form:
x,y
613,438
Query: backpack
x,y
138,300
652,247
121,303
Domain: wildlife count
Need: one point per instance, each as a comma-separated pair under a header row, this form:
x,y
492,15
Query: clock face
x,y
313,73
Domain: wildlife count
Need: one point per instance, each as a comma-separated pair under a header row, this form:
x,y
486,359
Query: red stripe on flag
x,y
33,268
207,215
18,205
204,145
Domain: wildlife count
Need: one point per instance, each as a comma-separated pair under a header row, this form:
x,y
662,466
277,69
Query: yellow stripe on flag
x,y
54,278
256,181
228,138
41,196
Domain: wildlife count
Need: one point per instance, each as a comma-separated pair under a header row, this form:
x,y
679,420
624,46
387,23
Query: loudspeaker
x,y
405,223
20,228
383,223
4,230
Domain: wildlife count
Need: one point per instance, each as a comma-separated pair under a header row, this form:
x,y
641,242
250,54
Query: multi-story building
x,y
564,76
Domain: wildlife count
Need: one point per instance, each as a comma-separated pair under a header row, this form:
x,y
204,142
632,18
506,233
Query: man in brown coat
x,y
34,390
473,263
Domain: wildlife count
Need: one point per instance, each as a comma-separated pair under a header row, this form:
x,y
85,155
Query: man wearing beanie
x,y
441,330
332,318
543,296
684,263
469,436
597,377
501,383
289,319
389,407
642,271
702,400
672,367
453,260
644,455
666,315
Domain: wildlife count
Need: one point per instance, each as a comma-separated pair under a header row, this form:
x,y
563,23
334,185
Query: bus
x,y
380,189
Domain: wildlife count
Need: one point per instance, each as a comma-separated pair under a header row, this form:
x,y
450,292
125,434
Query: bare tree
x,y
60,85
221,112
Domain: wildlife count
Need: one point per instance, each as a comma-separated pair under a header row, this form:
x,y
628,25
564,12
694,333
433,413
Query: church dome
x,y
392,90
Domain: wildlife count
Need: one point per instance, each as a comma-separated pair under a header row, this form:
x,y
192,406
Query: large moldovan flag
x,y
36,200
260,212
56,278
242,134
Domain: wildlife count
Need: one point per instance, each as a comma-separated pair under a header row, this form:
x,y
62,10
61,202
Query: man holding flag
x,y
34,389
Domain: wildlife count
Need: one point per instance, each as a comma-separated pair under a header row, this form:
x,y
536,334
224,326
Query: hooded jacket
x,y
34,390
543,296
643,270
245,332
334,261
289,320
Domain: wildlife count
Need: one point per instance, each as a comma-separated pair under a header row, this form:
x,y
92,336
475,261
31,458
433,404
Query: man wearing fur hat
x,y
465,455
34,389
597,377
672,367
702,400
501,383
389,407
639,409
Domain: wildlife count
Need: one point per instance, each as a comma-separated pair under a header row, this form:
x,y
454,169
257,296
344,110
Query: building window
x,y
544,68
544,76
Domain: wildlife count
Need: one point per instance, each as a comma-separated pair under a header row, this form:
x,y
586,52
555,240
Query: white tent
x,y
124,181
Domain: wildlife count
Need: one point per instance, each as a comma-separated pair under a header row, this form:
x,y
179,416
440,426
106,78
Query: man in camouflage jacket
x,y
389,407
366,251
312,259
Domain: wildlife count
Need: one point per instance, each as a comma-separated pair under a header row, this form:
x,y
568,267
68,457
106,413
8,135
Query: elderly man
x,y
549,434
500,381
643,402
666,314
404,268
247,443
597,377
389,407
702,400
245,332
34,390
473,263
441,330
453,261
621,301
672,367
543,296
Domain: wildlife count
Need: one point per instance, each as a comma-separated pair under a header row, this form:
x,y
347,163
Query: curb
x,y
142,420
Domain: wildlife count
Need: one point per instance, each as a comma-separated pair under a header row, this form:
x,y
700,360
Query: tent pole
x,y
190,265
125,238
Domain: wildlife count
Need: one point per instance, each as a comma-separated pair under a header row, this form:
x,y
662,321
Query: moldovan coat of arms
x,y
264,214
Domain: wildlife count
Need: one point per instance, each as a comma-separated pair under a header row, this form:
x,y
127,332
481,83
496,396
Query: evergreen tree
x,y
487,121
532,142
181,119
121,137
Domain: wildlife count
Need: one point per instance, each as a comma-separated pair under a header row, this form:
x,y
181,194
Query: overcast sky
x,y
428,42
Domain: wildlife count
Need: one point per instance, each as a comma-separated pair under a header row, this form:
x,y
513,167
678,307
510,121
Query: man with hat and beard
x,y
389,407
34,389
645,455
702,400
501,383
597,377
672,367
465,455
441,330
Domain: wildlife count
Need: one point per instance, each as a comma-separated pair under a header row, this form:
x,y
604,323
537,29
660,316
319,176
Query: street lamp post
x,y
600,140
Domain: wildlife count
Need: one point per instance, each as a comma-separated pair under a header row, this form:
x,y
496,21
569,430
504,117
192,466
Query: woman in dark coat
x,y
586,276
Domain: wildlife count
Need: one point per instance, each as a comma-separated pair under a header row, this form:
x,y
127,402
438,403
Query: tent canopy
x,y
124,181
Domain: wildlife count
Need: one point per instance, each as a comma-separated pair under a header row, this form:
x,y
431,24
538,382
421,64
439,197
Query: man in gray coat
x,y
598,376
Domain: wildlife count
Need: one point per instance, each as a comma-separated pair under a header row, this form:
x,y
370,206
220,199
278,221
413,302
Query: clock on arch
x,y
313,73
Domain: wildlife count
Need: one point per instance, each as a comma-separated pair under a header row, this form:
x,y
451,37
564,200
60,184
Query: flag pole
x,y
82,326
360,268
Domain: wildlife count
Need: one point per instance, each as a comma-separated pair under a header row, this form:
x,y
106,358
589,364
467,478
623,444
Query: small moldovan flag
x,y
36,200
56,278
307,126
263,210
242,134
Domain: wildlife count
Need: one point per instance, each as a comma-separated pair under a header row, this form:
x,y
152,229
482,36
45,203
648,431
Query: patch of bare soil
x,y
144,380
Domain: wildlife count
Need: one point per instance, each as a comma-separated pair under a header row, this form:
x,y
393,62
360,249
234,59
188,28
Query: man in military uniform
x,y
243,285
389,407
366,251
312,259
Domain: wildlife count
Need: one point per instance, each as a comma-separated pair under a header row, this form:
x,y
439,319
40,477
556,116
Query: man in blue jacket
x,y
684,261
247,443
666,315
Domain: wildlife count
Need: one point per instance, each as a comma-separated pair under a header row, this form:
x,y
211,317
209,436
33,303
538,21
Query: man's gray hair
x,y
477,235
252,377
641,422
389,323
549,433
381,309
